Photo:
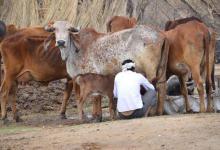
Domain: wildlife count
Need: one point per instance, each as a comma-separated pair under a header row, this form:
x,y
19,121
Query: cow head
x,y
63,34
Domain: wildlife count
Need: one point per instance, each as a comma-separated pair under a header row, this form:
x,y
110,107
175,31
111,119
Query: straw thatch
x,y
95,13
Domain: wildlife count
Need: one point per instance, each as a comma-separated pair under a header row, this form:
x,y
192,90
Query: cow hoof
x,y
5,121
113,118
202,111
63,116
82,121
210,110
190,111
159,113
97,119
18,119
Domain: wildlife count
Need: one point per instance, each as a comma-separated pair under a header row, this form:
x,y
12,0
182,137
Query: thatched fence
x,y
95,13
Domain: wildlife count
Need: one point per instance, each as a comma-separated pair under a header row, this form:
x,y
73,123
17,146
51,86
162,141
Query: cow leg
x,y
13,100
161,72
94,108
184,92
66,95
209,95
80,103
209,87
97,108
80,96
199,84
5,90
161,96
80,109
112,108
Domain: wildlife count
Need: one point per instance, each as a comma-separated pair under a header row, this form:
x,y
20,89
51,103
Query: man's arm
x,y
115,91
145,83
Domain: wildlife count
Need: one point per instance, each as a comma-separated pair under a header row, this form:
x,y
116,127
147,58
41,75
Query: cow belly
x,y
41,76
25,77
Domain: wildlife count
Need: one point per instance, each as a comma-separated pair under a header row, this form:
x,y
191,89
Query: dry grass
x,y
38,12
95,13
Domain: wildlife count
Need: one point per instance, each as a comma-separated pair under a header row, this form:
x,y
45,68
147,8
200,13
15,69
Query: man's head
x,y
128,64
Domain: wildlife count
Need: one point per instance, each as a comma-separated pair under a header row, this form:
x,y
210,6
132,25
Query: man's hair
x,y
128,61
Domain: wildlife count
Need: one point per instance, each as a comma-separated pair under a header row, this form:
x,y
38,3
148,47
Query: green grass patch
x,y
16,129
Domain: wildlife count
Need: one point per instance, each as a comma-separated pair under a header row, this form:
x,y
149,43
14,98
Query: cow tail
x,y
0,69
162,66
108,25
213,75
212,47
207,46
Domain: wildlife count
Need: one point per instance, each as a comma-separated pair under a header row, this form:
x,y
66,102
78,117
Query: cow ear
x,y
72,29
76,42
49,27
75,37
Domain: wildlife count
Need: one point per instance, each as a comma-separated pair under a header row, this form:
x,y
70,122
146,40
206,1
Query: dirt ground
x,y
43,129
36,98
179,132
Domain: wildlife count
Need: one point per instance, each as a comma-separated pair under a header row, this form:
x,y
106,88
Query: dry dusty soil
x,y
179,132
43,129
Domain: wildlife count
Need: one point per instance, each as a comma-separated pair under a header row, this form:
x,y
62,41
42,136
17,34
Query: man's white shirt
x,y
127,90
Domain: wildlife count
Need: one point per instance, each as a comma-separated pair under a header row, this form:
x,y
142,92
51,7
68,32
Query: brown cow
x,y
3,31
91,52
191,50
172,24
179,52
94,85
25,59
118,23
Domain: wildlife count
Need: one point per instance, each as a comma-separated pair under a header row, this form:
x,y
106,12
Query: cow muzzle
x,y
61,43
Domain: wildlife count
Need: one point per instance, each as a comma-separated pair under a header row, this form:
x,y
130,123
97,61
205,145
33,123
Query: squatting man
x,y
127,85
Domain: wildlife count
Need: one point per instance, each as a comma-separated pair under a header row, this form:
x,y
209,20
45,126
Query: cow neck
x,y
72,57
88,36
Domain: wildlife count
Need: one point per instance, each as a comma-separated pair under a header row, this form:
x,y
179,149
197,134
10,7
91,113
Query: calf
x,y
91,84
